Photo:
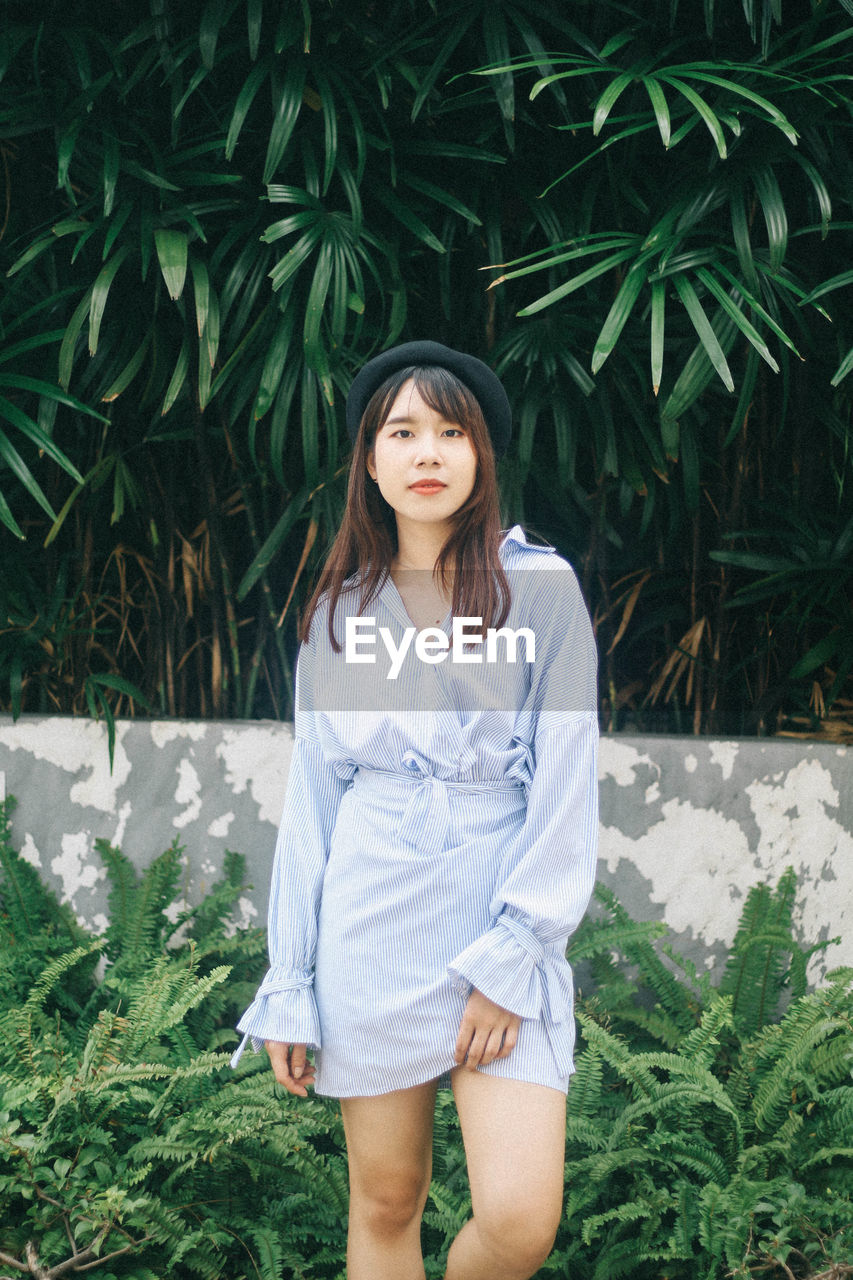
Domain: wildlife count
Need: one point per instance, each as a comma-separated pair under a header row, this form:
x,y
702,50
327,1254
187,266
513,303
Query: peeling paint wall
x,y
688,825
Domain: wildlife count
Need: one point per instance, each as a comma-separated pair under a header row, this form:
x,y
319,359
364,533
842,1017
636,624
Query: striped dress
x,y
439,834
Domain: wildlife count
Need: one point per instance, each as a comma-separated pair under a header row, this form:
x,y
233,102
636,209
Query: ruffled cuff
x,y
284,1009
510,966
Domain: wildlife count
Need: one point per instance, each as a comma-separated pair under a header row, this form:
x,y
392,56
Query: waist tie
x,y
426,818
552,991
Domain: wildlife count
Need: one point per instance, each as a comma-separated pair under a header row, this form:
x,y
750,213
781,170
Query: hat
x,y
480,380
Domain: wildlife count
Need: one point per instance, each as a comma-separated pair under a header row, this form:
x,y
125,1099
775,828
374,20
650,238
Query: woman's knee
x,y
520,1233
390,1201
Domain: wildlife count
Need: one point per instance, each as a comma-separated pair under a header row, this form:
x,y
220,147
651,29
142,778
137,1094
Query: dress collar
x,y
517,535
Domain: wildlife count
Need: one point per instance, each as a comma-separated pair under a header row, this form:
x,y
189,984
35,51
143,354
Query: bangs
x,y
439,388
444,393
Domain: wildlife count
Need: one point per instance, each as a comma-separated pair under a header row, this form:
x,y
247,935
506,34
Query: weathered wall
x,y
687,825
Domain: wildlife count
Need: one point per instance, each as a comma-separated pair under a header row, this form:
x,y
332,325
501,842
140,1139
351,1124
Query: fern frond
x,y
54,972
676,1000
137,923
621,1213
585,1085
586,1134
620,1258
27,905
825,1155
616,1052
607,936
806,1024
757,967
700,1044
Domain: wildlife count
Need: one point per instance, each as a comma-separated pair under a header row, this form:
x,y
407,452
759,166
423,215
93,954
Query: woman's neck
x,y
420,551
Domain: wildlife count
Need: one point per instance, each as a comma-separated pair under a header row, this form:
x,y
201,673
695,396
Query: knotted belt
x,y
426,818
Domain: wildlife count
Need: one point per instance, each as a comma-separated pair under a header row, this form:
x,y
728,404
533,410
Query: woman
x,y
438,840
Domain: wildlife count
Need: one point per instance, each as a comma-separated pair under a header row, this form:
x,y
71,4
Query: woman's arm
x,y
284,1009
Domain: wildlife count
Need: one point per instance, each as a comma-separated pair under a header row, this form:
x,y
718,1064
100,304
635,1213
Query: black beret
x,y
476,376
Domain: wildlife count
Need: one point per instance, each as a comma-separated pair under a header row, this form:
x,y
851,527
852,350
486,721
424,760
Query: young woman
x,y
438,841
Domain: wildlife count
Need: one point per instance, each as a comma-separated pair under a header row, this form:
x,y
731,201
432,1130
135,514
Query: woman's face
x,y
425,466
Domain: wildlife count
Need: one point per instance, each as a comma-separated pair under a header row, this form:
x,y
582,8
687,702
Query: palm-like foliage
x,y
215,217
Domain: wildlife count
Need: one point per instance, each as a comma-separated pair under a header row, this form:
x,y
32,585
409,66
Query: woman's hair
x,y
367,539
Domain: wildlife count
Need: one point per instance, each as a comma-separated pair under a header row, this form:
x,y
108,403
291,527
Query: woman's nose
x,y
428,449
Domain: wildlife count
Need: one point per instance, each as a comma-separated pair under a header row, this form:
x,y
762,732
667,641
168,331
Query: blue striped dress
x,y
439,834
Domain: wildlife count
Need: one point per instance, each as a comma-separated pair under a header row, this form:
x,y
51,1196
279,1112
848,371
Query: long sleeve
x,y
547,877
284,1008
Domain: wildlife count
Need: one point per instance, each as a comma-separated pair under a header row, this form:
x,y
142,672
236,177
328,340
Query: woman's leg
x,y
515,1143
389,1146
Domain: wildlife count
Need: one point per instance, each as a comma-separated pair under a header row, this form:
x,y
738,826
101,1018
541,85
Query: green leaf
x,y
623,305
740,90
329,109
730,306
49,390
110,170
274,364
657,98
34,432
172,254
702,109
827,286
689,385
274,542
843,369
577,282
757,308
315,354
72,332
775,217
658,321
254,19
212,18
287,110
15,349
702,325
443,197
440,60
100,292
295,257
502,81
403,213
12,525
128,373
21,471
245,98
201,290
608,100
178,377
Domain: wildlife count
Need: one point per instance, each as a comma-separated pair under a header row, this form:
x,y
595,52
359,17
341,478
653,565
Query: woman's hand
x,y
290,1067
486,1032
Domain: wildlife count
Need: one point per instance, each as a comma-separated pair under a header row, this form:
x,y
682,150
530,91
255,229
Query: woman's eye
x,y
404,432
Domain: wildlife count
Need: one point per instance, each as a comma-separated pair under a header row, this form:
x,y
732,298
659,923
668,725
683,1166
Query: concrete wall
x,y
687,824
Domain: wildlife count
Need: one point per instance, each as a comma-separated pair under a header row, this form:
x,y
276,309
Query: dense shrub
x,y
639,213
709,1127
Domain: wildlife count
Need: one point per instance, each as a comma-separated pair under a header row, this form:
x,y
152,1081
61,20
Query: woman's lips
x,y
428,486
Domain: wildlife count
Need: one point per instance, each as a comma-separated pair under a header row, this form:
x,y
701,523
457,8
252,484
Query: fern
x,y
758,965
704,1125
137,903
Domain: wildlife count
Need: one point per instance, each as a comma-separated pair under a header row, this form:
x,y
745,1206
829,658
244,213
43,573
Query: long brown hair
x,y
367,539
